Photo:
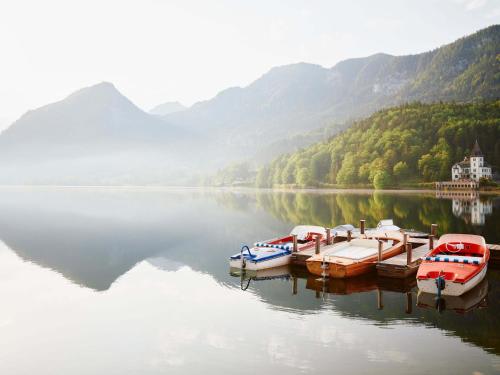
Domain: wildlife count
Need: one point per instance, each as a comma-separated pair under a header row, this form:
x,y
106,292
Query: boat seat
x,y
358,249
455,259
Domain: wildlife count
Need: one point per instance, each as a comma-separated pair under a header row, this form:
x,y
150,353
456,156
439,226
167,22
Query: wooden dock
x,y
494,255
399,267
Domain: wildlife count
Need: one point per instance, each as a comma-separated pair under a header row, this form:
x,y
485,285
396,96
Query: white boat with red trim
x,y
456,265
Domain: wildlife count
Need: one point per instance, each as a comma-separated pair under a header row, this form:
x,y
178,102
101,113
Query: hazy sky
x,y
159,50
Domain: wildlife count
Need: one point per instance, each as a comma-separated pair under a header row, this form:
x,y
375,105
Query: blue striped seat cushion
x,y
455,259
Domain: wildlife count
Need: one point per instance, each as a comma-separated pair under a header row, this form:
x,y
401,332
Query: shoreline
x,y
238,189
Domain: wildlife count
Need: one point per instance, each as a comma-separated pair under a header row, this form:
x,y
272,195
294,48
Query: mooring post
x,y
431,242
349,236
409,302
380,304
294,291
379,250
328,239
408,254
407,248
434,228
318,239
294,237
362,226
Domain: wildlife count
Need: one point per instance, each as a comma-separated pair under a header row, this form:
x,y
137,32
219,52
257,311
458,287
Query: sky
x,y
183,50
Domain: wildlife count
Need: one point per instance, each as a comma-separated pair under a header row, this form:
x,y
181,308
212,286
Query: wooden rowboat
x,y
352,258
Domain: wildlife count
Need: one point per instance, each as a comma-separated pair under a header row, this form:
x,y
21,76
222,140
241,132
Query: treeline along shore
x,y
409,146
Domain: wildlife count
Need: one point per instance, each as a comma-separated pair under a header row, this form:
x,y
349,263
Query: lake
x,y
136,281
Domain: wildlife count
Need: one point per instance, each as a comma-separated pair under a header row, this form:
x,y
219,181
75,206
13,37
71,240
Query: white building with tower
x,y
471,168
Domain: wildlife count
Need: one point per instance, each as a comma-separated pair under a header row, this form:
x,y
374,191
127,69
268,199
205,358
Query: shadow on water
x,y
92,237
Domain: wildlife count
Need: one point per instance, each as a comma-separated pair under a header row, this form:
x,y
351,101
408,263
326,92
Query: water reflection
x,y
474,299
469,205
95,237
386,301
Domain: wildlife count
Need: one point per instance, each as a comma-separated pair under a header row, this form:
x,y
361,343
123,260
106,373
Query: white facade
x,y
473,168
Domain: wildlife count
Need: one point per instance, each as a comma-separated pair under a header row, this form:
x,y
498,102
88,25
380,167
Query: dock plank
x,y
400,259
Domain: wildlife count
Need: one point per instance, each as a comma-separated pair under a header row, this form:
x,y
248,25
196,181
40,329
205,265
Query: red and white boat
x,y
456,265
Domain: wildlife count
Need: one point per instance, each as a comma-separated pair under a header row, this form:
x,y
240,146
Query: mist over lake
x,y
265,187
137,280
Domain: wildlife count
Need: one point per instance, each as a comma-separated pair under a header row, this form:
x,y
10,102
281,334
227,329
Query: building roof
x,y
476,150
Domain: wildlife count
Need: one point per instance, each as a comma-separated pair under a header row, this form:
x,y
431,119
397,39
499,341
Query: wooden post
x,y
405,240
434,229
362,226
380,250
380,304
328,239
318,239
294,243
294,285
431,242
349,236
409,302
408,254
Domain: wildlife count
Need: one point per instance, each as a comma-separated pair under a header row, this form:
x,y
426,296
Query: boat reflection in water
x,y
326,287
474,299
247,276
365,283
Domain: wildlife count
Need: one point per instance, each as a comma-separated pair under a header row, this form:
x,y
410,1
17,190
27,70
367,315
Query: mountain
x,y
286,99
94,119
167,108
95,135
398,146
297,98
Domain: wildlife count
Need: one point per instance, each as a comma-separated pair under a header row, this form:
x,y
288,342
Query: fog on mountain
x,y
97,136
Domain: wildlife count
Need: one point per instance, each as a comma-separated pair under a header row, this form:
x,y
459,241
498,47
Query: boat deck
x,y
299,258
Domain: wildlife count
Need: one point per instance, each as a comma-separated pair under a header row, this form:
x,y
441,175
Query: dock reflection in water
x,y
137,281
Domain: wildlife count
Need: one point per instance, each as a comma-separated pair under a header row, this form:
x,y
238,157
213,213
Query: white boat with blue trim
x,y
277,252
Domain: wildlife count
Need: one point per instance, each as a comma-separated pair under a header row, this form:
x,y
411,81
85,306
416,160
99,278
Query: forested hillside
x,y
295,99
407,144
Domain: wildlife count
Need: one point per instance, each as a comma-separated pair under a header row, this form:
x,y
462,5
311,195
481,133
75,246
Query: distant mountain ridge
x,y
167,108
91,118
301,97
94,136
98,136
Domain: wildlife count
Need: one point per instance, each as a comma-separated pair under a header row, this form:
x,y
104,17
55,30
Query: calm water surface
x,y
101,281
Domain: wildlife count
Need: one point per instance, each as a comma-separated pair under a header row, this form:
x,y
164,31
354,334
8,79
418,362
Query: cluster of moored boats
x,y
456,263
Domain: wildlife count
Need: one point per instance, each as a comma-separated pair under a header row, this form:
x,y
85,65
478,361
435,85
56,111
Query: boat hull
x,y
349,269
452,288
251,265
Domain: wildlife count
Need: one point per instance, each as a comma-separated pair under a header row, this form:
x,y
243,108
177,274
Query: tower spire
x,y
476,150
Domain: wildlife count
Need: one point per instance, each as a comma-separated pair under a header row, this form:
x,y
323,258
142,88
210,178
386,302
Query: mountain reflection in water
x,y
95,236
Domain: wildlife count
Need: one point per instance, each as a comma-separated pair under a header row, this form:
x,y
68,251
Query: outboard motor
x,y
440,285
